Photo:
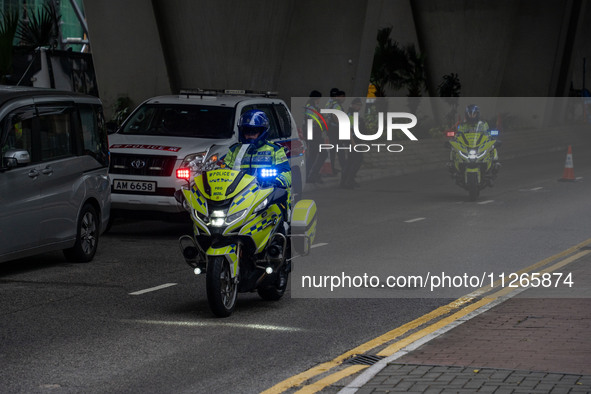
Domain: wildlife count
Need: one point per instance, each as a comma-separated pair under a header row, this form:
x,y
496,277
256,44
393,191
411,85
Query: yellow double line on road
x,y
467,303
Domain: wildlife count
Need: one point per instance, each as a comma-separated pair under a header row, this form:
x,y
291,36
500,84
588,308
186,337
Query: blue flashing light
x,y
268,172
494,132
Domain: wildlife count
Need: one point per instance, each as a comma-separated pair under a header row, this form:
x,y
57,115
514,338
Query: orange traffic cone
x,y
326,168
569,170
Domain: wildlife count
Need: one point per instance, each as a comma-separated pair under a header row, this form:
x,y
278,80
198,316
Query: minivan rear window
x,y
197,121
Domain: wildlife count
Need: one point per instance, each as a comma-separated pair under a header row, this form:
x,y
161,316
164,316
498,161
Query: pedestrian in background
x,y
354,159
336,101
315,158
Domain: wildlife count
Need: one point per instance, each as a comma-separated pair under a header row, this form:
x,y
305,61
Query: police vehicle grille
x,y
142,164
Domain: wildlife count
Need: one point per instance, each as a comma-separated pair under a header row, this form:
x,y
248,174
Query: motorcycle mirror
x,y
178,196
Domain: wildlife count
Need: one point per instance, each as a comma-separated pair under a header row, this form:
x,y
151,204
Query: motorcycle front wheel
x,y
222,289
473,188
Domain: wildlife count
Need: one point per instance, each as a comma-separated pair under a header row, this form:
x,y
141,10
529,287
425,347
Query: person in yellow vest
x,y
254,153
473,124
336,101
316,158
354,159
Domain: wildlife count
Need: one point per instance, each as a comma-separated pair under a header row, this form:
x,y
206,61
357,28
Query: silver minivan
x,y
54,185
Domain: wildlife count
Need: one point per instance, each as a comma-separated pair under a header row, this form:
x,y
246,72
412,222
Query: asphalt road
x,y
77,327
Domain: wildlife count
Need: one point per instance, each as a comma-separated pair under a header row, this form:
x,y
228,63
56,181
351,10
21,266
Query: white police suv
x,y
152,151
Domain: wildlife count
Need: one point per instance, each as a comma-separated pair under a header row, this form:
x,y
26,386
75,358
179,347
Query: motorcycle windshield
x,y
222,184
472,140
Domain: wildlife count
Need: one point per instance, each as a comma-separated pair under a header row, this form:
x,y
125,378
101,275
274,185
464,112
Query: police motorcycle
x,y
240,239
472,159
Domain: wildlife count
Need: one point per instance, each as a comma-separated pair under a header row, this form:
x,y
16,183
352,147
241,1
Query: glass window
x,y
93,133
16,130
284,120
197,121
55,132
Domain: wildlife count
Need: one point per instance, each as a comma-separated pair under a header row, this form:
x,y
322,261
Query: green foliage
x,y
42,27
8,27
450,86
413,75
450,89
397,67
388,59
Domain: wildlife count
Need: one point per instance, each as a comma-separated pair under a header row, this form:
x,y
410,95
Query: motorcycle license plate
x,y
134,186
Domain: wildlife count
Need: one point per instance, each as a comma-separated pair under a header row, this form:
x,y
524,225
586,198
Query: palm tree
x,y
8,27
413,75
388,60
42,27
450,89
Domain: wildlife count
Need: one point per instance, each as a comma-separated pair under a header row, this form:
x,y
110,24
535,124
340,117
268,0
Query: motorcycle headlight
x,y
217,222
202,217
218,218
235,216
472,154
262,205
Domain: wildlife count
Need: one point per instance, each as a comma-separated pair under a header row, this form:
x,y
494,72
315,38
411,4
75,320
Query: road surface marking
x,y
330,379
318,245
486,202
414,220
153,289
407,345
391,335
401,347
252,326
536,188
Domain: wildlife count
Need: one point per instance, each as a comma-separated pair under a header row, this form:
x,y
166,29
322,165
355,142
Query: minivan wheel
x,y
87,236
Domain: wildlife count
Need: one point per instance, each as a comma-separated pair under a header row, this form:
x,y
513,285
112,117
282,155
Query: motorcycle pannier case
x,y
303,226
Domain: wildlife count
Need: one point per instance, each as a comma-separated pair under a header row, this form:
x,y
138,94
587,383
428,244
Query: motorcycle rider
x,y
254,153
473,124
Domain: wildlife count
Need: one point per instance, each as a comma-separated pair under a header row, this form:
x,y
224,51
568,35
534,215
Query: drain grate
x,y
364,359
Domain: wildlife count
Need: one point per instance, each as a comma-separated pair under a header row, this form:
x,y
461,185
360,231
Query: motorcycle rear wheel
x,y
222,290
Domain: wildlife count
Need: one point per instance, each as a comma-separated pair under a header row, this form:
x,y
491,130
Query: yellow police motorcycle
x,y
472,157
239,239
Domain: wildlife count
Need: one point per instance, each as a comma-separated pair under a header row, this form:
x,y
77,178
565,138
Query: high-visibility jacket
x,y
332,103
246,157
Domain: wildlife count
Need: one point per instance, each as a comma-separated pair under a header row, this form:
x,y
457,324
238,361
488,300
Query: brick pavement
x,y
527,344
521,333
413,378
